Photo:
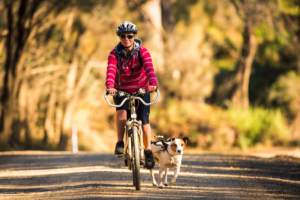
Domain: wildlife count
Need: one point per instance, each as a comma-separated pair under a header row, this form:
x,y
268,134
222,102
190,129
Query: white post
x,y
74,139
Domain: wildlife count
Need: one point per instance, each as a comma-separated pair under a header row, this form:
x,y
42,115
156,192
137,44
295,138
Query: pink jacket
x,y
142,76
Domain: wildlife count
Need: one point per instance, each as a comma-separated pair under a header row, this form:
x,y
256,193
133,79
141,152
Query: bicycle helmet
x,y
126,27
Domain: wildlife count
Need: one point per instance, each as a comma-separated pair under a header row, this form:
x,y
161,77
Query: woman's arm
x,y
111,70
148,67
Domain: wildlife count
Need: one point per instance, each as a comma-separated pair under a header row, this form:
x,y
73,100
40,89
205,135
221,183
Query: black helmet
x,y
126,27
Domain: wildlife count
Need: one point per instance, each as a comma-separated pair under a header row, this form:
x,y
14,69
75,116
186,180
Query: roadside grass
x,y
215,128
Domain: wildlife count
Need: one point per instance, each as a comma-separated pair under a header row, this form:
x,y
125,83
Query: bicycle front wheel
x,y
136,159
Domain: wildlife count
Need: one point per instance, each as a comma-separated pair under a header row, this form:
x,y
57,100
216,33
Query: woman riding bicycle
x,y
129,69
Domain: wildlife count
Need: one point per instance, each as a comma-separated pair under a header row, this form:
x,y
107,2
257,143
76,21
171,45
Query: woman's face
x,y
127,39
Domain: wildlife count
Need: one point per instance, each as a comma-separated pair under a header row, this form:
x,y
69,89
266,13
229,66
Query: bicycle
x,y
134,148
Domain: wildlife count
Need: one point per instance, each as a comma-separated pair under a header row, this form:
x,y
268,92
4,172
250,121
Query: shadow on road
x,y
92,175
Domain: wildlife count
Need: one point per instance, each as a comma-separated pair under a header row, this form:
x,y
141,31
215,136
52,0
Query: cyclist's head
x,y
126,27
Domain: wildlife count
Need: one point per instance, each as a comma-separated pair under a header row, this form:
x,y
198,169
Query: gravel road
x,y
63,175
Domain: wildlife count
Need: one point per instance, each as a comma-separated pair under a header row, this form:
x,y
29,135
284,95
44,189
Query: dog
x,y
169,155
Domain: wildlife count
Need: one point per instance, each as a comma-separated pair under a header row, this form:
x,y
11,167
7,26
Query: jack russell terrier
x,y
169,155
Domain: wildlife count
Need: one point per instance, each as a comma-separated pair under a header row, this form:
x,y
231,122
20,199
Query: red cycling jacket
x,y
142,76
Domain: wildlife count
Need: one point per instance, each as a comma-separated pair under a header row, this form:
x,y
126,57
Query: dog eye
x,y
175,145
182,145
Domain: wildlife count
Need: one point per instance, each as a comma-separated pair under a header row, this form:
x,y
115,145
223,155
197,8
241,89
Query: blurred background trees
x,y
228,71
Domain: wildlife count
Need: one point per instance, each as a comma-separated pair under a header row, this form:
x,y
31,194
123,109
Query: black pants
x,y
142,111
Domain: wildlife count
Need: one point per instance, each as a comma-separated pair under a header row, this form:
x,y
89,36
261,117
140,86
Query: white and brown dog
x,y
169,155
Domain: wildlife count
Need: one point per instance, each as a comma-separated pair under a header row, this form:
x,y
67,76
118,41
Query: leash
x,y
157,136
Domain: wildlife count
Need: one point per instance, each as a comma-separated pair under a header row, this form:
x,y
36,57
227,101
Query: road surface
x,y
63,175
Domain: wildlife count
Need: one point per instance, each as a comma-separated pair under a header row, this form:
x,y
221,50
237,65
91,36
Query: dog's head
x,y
178,145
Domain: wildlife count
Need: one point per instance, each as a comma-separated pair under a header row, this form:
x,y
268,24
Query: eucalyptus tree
x,y
24,20
253,14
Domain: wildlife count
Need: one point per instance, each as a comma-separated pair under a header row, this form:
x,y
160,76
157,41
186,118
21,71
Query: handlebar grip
x,y
107,93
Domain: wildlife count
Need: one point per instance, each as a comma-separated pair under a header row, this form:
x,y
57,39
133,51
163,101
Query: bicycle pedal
x,y
120,155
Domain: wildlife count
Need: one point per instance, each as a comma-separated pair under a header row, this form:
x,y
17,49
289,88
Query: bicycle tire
x,y
136,159
133,173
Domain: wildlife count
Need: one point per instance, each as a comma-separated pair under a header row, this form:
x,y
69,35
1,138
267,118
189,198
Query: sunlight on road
x,y
33,173
91,175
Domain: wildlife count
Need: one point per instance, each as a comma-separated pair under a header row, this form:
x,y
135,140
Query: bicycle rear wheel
x,y
136,159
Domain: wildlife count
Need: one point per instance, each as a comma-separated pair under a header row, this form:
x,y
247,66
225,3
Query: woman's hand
x,y
112,91
151,88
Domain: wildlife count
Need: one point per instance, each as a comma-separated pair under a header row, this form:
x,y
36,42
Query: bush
x,y
259,126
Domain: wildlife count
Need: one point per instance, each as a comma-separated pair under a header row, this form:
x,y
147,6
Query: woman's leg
x,y
147,136
143,114
121,118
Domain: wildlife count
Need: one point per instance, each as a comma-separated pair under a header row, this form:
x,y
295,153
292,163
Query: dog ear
x,y
185,139
171,139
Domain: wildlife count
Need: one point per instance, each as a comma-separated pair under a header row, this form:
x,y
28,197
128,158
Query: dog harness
x,y
164,148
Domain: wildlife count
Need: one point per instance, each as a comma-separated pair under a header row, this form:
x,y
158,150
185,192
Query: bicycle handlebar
x,y
121,93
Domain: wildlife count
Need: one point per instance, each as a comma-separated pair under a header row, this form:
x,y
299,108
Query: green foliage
x,y
290,7
181,10
285,92
259,126
5,147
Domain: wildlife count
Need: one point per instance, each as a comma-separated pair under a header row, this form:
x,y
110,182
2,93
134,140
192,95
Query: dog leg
x,y
152,177
160,174
165,178
176,172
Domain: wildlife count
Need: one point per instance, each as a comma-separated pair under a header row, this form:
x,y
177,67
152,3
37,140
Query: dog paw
x,y
154,184
160,187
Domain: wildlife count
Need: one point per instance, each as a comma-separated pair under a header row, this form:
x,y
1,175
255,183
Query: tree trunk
x,y
22,104
298,46
167,16
168,25
6,96
49,128
70,105
69,101
32,112
240,97
295,127
152,12
15,58
58,120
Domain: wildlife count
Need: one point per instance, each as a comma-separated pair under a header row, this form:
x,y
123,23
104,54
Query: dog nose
x,y
179,151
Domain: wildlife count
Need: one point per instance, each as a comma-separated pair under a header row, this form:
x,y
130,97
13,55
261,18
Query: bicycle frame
x,y
131,127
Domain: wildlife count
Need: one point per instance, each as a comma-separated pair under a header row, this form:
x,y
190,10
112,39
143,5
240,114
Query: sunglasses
x,y
127,36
